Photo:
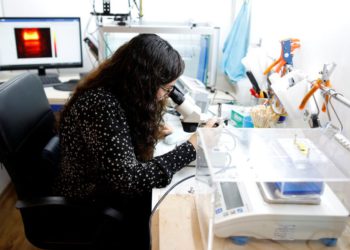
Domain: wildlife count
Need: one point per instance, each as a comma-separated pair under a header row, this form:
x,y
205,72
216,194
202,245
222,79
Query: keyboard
x,y
49,80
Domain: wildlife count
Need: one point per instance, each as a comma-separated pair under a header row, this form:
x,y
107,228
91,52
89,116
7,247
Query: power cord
x,y
160,201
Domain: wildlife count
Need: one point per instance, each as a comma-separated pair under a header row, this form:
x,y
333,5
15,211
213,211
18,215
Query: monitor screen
x,y
40,43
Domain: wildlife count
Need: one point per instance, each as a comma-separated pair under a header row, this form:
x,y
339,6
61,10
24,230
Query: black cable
x,y
159,202
137,7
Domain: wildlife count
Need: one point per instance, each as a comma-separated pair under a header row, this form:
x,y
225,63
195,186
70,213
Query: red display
x,y
33,42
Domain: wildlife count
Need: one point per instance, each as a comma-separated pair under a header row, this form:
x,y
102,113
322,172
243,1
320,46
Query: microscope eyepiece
x,y
177,96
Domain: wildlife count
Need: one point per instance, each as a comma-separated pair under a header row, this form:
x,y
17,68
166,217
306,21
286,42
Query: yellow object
x,y
261,94
302,148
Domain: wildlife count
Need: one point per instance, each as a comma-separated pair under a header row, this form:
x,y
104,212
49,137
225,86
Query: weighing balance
x,y
271,184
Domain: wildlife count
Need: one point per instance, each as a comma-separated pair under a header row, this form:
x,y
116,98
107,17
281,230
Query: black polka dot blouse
x,y
97,154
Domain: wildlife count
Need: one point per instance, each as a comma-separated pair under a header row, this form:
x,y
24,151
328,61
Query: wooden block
x,y
178,224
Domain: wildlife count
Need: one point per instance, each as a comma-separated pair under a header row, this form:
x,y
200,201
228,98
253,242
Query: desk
x,y
58,97
55,97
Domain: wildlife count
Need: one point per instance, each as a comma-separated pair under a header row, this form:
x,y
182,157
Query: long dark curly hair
x,y
134,73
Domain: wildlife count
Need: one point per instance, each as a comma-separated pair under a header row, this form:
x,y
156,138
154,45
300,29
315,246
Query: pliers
x,y
324,81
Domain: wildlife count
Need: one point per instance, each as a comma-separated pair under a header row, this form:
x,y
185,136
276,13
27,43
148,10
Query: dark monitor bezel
x,y
42,66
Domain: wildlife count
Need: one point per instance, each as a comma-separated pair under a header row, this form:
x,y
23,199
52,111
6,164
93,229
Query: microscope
x,y
190,114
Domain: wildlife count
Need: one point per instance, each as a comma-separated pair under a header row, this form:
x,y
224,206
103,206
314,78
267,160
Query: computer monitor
x,y
40,43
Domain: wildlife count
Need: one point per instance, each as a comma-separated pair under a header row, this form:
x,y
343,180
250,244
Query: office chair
x,y
29,150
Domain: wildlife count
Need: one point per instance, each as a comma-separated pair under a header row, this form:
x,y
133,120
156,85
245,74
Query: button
x,y
239,210
218,210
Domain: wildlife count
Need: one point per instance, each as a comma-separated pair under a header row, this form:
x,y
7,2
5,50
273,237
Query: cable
x,y
159,202
87,50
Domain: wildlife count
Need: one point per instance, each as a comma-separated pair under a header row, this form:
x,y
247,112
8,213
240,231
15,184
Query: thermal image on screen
x,y
33,42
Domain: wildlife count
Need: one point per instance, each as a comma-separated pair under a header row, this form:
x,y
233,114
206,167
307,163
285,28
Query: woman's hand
x,y
164,131
211,123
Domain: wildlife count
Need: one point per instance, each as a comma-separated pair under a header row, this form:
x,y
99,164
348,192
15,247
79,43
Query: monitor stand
x,y
48,79
42,73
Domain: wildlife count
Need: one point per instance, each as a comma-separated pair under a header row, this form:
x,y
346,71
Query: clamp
x,y
285,61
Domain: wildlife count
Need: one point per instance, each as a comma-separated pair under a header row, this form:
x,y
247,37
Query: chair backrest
x,y
26,125
29,151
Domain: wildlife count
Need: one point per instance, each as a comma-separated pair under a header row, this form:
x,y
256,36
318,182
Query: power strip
x,y
343,140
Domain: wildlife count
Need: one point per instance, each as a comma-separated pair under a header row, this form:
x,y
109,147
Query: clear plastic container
x,y
281,184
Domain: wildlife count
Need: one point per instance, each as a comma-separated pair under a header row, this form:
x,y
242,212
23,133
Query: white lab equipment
x,y
280,184
196,90
198,45
290,90
191,113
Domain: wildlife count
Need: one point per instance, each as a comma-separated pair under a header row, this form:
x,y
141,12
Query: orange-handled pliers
x,y
326,98
321,82
312,91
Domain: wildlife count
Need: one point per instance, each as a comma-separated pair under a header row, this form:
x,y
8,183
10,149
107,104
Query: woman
x,y
110,126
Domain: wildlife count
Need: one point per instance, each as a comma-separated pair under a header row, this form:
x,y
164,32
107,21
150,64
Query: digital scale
x,y
271,184
240,210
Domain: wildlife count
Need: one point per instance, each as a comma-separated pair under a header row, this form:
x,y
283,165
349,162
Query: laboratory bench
x,y
175,225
